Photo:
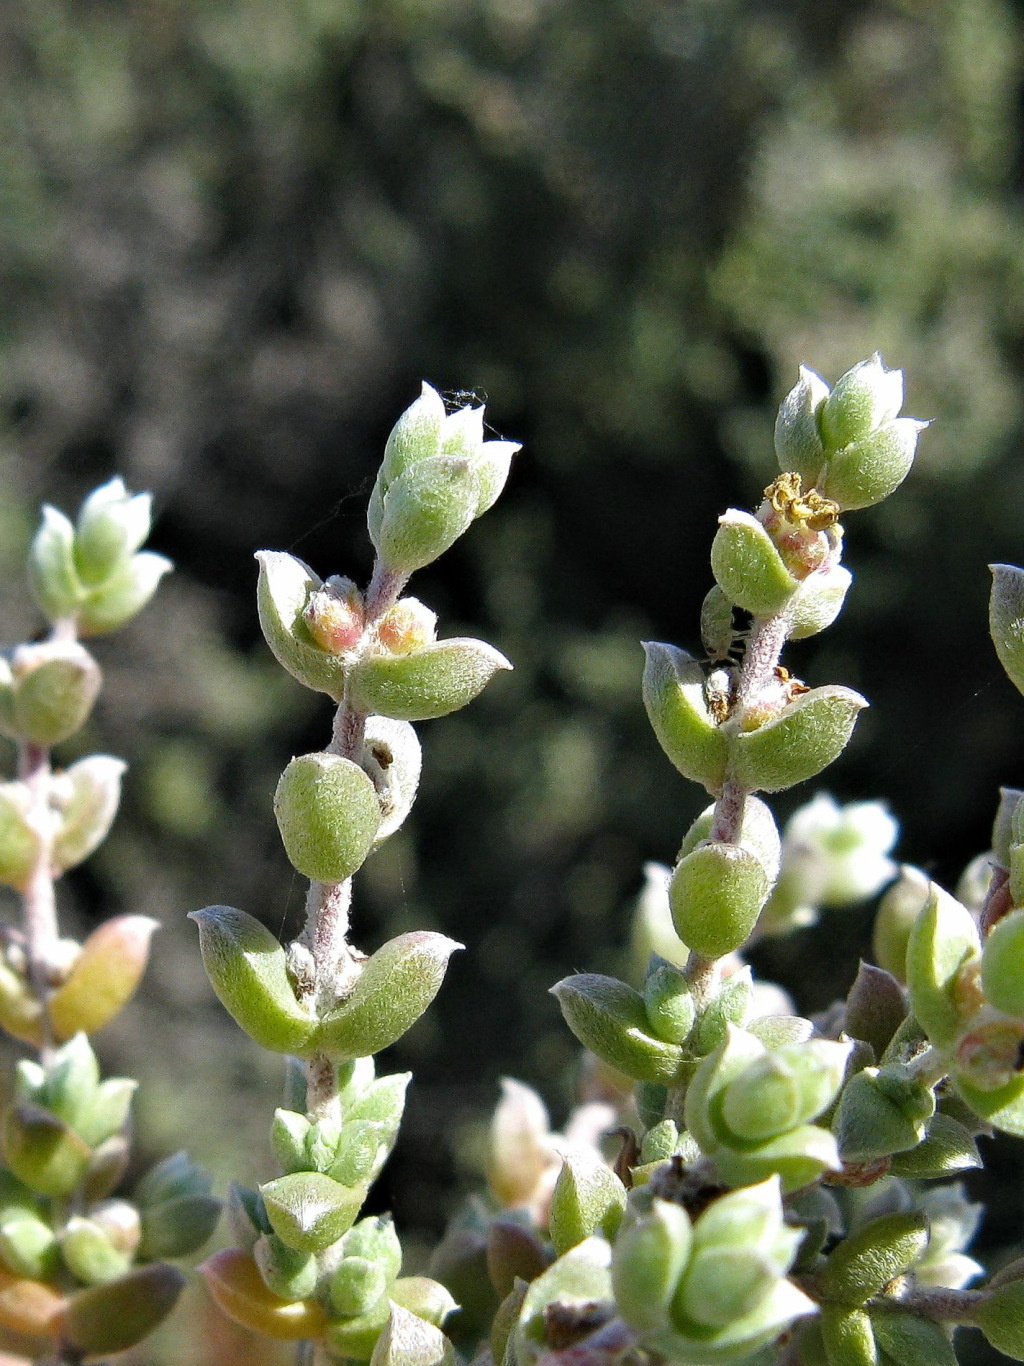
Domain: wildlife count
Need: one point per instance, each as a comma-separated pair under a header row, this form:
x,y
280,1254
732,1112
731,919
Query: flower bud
x,y
328,814
72,1080
52,574
362,1150
407,626
354,1338
609,1018
247,969
237,1288
748,567
106,1169
111,527
805,737
291,1275
673,690
55,684
588,1198
783,1088
798,443
716,895
431,682
309,1211
285,589
864,399
396,985
391,759
334,616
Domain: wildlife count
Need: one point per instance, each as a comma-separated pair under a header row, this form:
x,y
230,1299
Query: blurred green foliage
x,y
234,238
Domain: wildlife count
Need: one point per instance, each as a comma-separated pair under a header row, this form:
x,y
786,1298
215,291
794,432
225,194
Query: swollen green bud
x,y
588,1198
716,894
786,1087
54,685
427,683
1006,620
111,527
291,1275
748,567
283,594
328,814
610,1019
115,1316
309,1211
674,696
247,969
648,1259
732,1006
393,990
86,797
798,443
805,737
943,945
1002,964
864,399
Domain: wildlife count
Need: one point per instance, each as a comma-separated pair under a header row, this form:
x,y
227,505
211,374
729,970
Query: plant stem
x,y
940,1304
39,904
336,966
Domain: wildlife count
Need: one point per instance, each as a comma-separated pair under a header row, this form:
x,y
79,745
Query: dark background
x,y
235,237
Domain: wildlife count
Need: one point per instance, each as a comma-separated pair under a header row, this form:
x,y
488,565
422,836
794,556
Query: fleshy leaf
x,y
588,1198
805,737
328,814
943,942
428,683
310,1211
609,1018
234,1281
716,894
284,588
748,567
104,976
673,690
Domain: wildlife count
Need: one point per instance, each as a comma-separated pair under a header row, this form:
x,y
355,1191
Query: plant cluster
x,y
83,1269
770,1200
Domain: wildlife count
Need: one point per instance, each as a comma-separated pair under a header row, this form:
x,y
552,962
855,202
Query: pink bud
x,y
407,626
334,616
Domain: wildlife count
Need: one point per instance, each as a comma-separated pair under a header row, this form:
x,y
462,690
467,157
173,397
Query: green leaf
x,y
327,812
805,737
246,967
848,1337
1006,620
673,691
428,683
864,1263
42,1151
408,1340
54,691
310,1211
588,1198
868,470
284,588
609,1018
748,567
648,1258
1003,1108
1002,964
1000,1316
52,575
943,942
817,602
390,994
87,796
425,510
113,1317
115,601
947,1149
911,1340
177,1227
881,1112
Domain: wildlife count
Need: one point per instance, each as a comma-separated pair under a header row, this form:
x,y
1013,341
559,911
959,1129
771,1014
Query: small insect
x,y
720,691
